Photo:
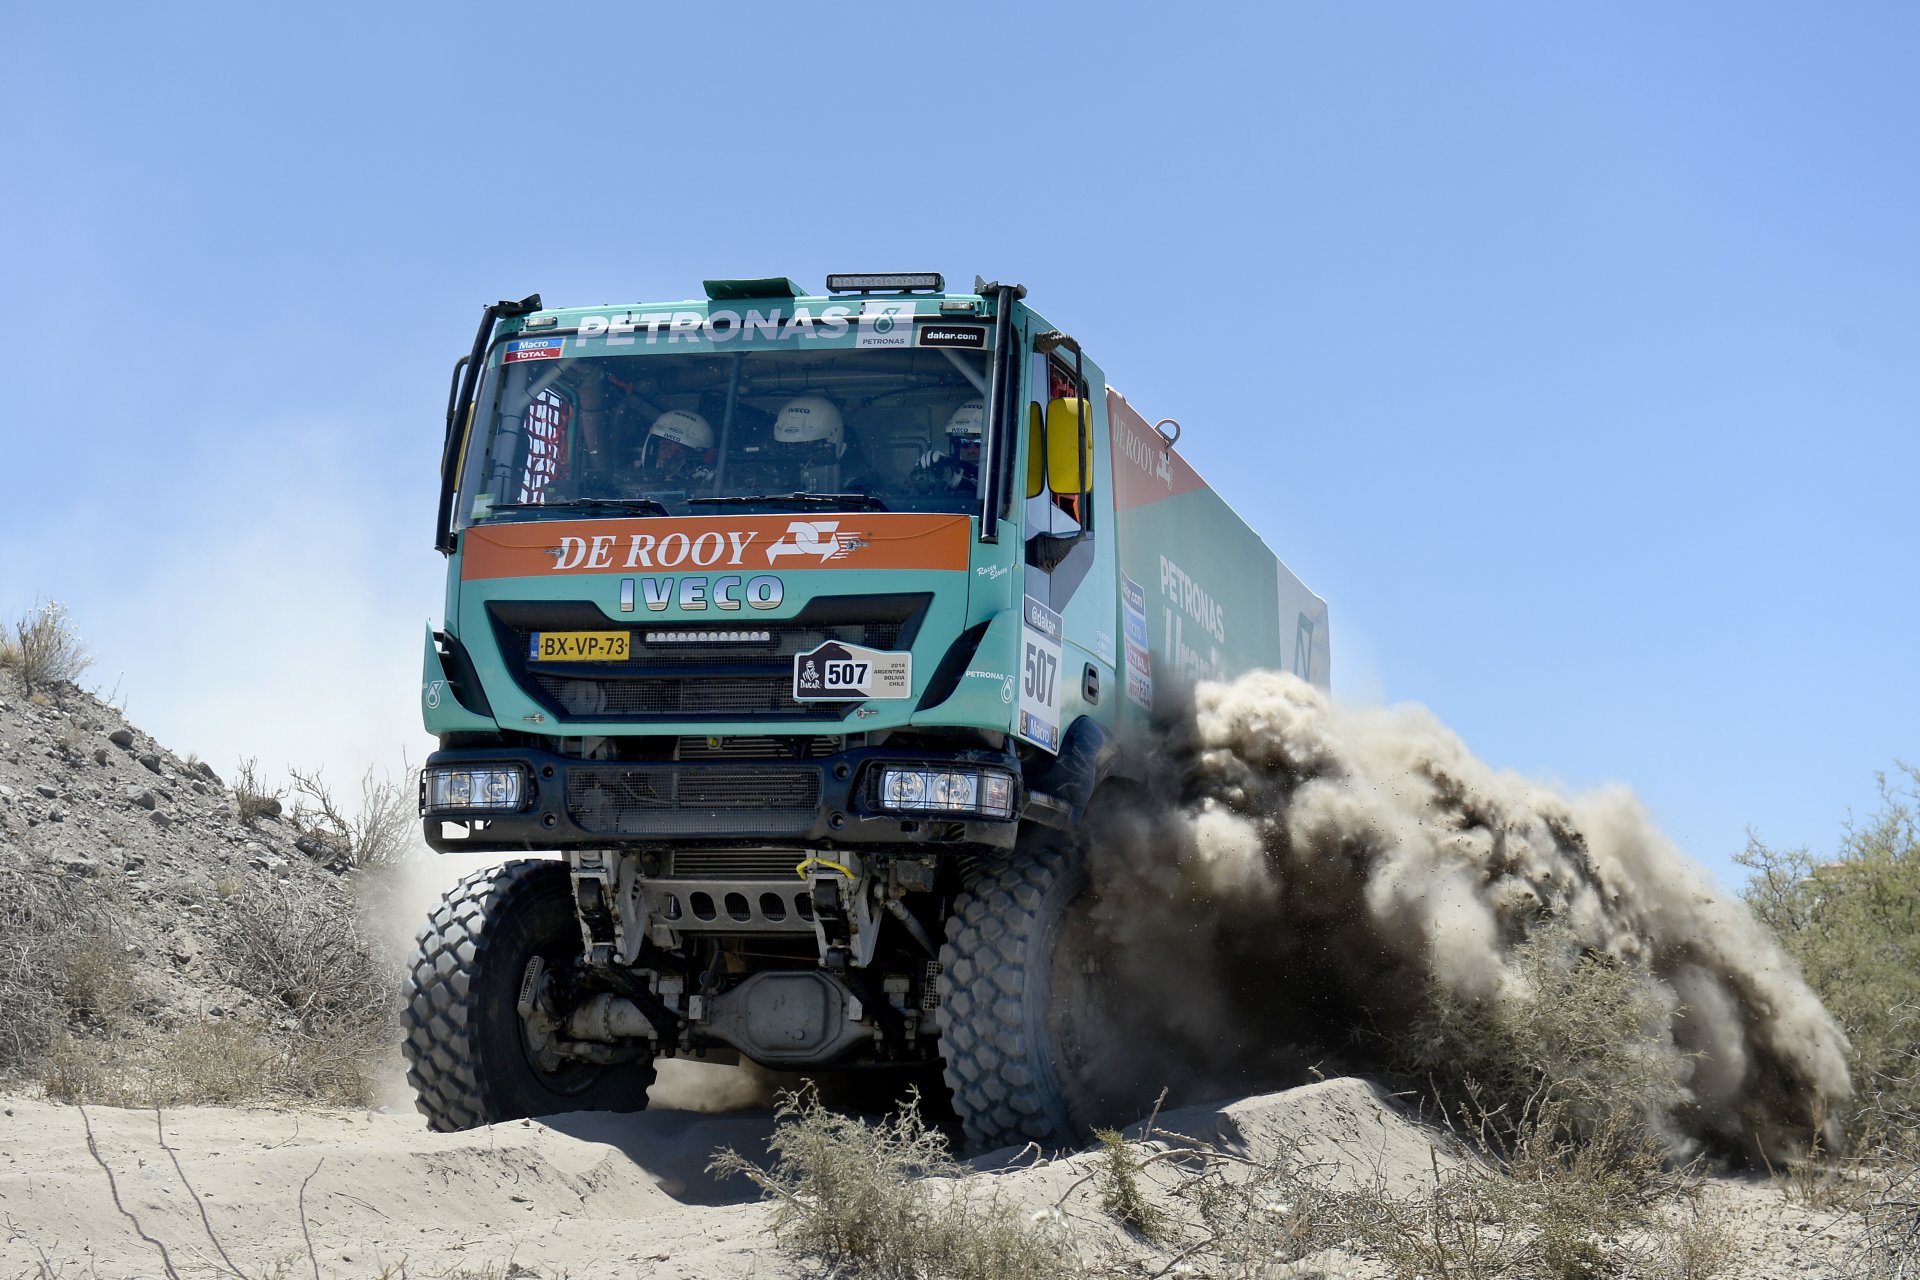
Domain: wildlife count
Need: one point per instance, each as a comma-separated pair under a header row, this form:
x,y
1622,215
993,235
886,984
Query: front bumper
x,y
827,802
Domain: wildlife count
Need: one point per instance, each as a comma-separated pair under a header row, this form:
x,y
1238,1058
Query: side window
x,y
1059,450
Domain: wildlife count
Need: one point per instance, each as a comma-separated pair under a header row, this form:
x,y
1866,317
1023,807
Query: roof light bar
x,y
888,282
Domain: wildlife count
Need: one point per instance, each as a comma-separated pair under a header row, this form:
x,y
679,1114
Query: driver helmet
x,y
964,428
810,422
680,439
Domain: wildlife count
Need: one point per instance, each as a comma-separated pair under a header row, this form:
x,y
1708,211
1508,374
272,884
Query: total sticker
x,y
533,349
836,672
1038,721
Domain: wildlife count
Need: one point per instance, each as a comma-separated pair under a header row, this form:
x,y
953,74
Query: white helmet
x,y
680,427
810,420
968,420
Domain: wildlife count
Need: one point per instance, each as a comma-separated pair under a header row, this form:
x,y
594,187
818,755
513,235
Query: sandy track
x,y
593,1194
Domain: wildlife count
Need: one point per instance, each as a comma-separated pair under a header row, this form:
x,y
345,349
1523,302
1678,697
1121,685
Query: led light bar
x,y
708,637
483,788
986,792
890,282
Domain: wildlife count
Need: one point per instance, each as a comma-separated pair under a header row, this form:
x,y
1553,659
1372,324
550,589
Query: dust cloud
x,y
1305,876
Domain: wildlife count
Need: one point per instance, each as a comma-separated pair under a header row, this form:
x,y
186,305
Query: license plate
x,y
577,646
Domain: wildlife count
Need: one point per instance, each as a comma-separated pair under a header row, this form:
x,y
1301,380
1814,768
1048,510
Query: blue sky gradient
x,y
1568,351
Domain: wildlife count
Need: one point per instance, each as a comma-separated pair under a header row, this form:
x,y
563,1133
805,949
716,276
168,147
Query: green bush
x,y
1853,923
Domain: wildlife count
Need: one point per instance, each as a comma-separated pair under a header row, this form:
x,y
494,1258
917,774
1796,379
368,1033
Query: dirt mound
x,y
139,906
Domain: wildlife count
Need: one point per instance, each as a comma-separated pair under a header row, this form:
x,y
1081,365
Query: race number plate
x,y
836,672
1040,662
577,646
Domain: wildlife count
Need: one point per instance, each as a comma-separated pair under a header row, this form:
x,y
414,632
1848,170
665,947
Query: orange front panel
x,y
862,540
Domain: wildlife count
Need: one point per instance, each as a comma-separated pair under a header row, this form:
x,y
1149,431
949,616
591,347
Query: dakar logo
x,y
812,538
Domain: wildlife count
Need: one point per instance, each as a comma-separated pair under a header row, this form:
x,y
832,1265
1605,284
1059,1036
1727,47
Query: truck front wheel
x,y
469,1057
1019,1003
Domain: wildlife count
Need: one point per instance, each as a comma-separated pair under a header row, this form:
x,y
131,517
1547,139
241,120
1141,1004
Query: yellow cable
x,y
801,870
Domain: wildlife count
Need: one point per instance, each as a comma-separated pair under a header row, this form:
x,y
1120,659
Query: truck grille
x,y
668,678
666,799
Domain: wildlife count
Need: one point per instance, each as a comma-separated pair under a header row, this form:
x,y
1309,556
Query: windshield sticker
x,y
870,540
845,672
970,336
675,328
534,349
886,322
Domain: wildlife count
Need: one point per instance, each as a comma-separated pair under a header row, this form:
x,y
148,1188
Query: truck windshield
x,y
751,430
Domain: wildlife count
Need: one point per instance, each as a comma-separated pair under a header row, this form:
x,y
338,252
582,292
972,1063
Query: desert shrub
x,y
255,797
378,834
1853,923
303,947
1577,1055
885,1200
63,964
45,652
1123,1195
207,1062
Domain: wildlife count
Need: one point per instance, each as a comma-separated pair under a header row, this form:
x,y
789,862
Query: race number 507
x,y
1042,671
847,675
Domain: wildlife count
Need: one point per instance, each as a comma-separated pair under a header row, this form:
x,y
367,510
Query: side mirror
x,y
1069,454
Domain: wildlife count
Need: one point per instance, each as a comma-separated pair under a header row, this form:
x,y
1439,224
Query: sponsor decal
x,y
972,336
1133,622
846,672
885,322
1040,618
994,572
533,349
1038,720
721,325
821,539
1005,681
748,545
430,694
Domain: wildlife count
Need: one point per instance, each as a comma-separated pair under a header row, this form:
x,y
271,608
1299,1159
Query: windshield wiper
x,y
651,506
865,501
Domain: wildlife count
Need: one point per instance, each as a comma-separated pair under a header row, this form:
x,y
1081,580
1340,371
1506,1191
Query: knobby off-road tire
x,y
1005,1015
466,1049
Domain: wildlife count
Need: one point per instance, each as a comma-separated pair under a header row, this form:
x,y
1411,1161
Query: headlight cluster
x,y
986,792
474,788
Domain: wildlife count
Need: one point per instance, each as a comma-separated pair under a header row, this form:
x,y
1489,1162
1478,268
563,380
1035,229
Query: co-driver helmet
x,y
679,438
811,421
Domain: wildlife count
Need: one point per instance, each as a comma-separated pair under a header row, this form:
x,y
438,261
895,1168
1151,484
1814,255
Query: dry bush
x,y
1889,1201
1578,1055
252,793
307,950
63,965
208,1062
379,834
45,652
886,1200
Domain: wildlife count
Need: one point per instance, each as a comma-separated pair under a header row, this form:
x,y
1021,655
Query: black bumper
x,y
826,802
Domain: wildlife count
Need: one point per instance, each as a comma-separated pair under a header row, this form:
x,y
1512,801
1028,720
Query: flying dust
x,y
1308,878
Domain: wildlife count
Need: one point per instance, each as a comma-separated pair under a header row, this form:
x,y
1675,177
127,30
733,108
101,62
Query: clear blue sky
x,y
1568,351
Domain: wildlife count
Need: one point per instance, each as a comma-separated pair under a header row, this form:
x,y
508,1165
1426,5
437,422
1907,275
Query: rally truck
x,y
798,634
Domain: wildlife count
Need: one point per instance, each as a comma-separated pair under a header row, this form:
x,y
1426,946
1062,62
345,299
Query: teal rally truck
x,y
800,632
